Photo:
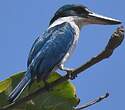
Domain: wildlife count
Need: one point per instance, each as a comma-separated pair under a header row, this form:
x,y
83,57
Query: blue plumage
x,y
46,54
20,87
50,49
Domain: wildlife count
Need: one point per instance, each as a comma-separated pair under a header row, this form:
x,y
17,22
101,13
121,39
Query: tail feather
x,y
19,89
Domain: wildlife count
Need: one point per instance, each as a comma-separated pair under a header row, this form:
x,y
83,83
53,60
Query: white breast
x,y
72,48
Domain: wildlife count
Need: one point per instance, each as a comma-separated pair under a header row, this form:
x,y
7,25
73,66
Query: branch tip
x,y
93,102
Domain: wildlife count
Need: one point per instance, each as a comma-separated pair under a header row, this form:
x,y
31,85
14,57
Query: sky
x,y
22,20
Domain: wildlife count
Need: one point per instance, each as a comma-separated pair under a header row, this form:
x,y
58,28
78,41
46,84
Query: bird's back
x,y
49,49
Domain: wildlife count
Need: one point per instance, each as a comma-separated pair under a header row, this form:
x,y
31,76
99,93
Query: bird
x,y
52,49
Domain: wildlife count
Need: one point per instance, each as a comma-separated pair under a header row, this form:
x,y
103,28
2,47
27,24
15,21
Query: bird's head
x,y
83,15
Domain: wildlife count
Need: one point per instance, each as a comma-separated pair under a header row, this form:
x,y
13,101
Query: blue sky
x,y
21,22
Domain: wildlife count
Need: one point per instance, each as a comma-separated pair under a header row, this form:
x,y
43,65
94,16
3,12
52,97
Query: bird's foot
x,y
70,75
69,71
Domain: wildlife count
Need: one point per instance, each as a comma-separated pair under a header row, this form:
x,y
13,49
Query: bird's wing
x,y
38,44
49,50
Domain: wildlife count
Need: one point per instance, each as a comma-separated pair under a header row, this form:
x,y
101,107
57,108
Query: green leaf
x,y
62,97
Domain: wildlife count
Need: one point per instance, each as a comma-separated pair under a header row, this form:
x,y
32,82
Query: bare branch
x,y
115,40
92,102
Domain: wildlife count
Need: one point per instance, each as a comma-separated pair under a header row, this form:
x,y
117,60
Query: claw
x,y
69,71
70,75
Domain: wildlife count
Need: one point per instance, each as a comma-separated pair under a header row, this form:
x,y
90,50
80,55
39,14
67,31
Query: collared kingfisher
x,y
51,50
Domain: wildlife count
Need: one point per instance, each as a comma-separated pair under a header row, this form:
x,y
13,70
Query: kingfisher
x,y
51,50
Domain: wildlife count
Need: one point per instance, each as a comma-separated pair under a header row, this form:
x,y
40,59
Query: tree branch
x,y
93,102
115,40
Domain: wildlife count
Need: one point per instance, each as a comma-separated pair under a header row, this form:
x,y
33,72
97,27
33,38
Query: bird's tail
x,y
19,88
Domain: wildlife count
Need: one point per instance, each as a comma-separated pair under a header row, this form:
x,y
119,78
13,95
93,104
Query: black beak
x,y
94,18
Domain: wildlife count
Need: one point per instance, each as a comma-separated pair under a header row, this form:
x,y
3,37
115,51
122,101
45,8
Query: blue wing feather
x,y
49,50
39,42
